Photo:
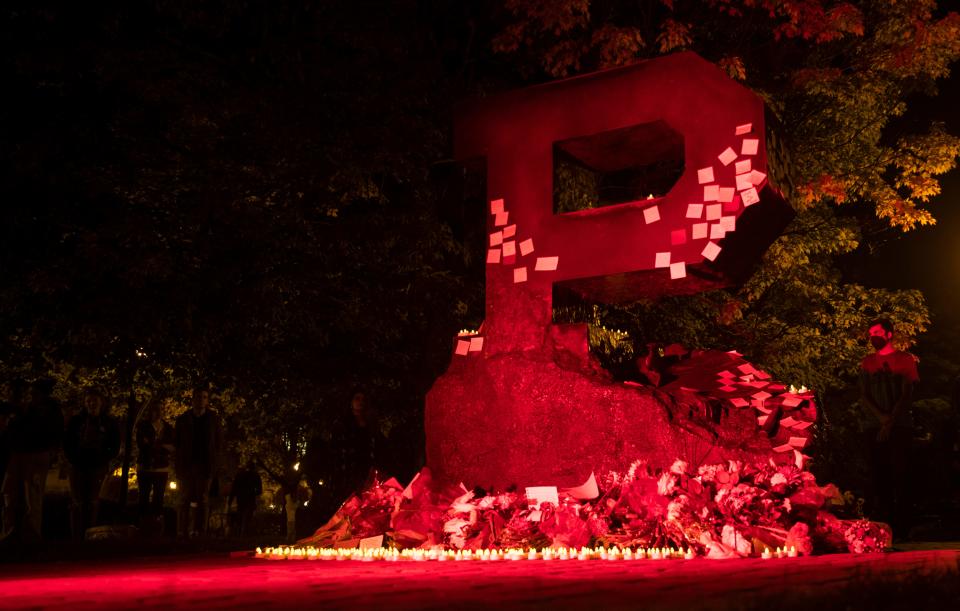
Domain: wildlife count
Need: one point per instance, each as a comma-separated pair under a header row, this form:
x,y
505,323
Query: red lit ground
x,y
869,581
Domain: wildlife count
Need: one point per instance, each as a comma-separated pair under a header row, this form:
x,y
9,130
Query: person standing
x,y
246,489
35,433
154,444
91,442
359,438
887,379
196,442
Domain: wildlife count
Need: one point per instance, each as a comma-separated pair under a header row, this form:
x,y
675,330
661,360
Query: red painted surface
x,y
224,583
530,406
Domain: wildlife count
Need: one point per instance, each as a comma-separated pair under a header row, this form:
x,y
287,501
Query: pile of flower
x,y
718,511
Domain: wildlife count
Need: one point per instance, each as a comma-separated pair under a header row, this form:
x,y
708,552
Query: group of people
x,y
33,432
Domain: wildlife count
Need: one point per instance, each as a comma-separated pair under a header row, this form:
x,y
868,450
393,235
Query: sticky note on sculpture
x,y
705,175
662,259
651,214
509,248
519,274
742,167
546,264
542,494
496,206
476,344
750,196
714,211
711,193
746,128
500,219
463,347
750,146
710,251
526,247
496,238
694,211
727,156
493,256
678,270
509,231
699,231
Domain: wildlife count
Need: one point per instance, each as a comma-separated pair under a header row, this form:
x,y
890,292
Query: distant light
x,y
320,482
296,466
173,485
305,503
140,353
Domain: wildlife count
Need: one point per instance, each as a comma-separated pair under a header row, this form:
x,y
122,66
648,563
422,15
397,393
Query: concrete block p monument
x,y
523,401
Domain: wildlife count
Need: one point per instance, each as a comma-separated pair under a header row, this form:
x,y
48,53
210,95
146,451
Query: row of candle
x,y
441,555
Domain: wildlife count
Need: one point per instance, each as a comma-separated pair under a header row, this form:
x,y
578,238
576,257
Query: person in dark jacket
x,y
247,488
91,442
196,439
35,432
15,404
154,444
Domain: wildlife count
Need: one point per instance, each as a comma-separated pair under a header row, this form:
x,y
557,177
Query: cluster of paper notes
x,y
715,216
744,386
505,249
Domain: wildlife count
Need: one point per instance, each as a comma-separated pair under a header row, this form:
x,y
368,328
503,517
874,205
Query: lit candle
x,y
793,552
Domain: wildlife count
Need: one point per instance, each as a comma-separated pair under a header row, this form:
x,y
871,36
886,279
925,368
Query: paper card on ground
x,y
542,494
750,196
726,194
791,400
746,128
705,175
761,396
714,211
699,231
788,421
463,347
711,193
798,442
758,405
717,232
743,166
762,420
784,448
694,211
662,260
493,256
585,491
476,344
371,542
651,214
509,248
678,270
678,236
750,146
801,425
526,247
710,251
799,459
739,402
408,491
510,231
500,219
496,206
519,274
546,264
726,374
728,388
496,238
763,375
727,156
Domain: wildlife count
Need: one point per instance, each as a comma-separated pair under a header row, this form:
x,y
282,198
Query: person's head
x,y
201,399
358,402
880,332
95,401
